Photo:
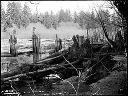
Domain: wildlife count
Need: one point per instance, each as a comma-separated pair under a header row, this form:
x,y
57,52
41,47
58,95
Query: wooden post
x,y
58,44
64,43
39,47
36,46
87,32
91,40
81,40
7,67
13,41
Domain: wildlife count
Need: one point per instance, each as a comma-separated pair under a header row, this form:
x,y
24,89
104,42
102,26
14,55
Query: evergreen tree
x,y
3,16
75,20
47,20
61,15
26,13
14,13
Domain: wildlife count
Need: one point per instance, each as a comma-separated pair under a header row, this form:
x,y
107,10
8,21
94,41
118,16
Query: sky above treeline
x,y
56,6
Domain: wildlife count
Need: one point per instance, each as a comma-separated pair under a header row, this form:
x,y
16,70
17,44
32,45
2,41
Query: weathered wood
x,y
36,46
26,74
13,41
81,40
57,63
49,60
58,44
55,55
92,40
8,76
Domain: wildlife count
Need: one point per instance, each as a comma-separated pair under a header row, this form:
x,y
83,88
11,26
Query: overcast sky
x,y
55,6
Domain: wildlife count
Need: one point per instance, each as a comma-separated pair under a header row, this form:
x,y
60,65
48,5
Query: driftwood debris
x,y
82,56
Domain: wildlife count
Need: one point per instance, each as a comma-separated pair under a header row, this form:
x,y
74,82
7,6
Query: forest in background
x,y
103,67
22,17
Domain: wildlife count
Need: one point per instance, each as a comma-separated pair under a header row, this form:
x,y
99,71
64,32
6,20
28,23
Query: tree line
x,y
19,16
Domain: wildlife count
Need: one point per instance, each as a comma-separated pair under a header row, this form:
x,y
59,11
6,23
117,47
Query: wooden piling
x,y
13,41
81,40
91,40
36,47
58,44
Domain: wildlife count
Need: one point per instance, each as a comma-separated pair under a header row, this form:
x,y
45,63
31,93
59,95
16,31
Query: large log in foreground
x,y
38,75
28,74
18,73
52,59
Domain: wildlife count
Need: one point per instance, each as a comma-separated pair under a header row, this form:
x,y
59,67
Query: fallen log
x,y
17,73
53,59
30,67
63,69
50,58
27,74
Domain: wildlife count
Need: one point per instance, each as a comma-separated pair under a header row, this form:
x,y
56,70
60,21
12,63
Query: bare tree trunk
x,y
106,35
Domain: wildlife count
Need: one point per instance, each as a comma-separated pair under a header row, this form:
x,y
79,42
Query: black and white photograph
x,y
64,48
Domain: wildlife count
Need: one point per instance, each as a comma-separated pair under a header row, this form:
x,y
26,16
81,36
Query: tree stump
x,y
36,47
58,44
80,49
13,41
119,42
